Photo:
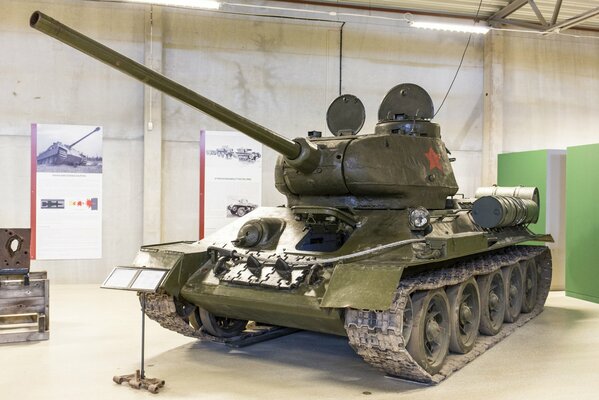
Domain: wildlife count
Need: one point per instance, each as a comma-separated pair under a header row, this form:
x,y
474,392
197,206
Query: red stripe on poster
x,y
202,179
33,200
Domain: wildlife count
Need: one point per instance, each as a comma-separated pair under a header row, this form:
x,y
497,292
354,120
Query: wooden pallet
x,y
24,308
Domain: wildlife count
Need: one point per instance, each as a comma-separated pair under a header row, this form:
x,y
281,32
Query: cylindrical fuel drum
x,y
502,211
522,192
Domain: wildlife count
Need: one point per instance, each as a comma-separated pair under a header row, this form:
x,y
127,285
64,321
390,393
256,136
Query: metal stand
x,y
138,380
258,335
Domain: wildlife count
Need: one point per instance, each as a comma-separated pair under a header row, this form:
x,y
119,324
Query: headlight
x,y
419,218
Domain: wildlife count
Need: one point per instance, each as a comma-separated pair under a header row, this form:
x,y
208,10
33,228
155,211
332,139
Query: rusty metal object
x,y
14,251
136,381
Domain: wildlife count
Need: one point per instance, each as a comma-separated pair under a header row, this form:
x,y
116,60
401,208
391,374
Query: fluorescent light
x,y
441,26
205,4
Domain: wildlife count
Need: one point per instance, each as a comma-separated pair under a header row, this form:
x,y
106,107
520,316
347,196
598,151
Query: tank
x,y
246,154
374,243
64,154
224,152
241,207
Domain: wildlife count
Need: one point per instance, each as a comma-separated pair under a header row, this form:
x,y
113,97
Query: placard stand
x,y
141,280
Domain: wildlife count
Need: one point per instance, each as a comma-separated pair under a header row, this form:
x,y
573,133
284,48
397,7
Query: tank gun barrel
x,y
89,134
305,155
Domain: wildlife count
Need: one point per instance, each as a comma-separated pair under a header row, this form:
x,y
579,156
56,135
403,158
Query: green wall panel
x,y
527,168
582,223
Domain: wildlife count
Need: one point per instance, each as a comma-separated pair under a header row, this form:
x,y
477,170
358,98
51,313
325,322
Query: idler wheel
x,y
429,339
531,286
190,313
492,302
194,319
464,308
221,326
512,277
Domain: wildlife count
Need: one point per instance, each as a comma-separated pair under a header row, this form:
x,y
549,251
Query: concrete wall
x,y
283,74
548,97
280,73
44,81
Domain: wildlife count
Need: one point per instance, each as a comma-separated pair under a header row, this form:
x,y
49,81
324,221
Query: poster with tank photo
x,y
230,178
66,192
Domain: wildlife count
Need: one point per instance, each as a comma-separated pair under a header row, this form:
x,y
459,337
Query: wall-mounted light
x,y
442,26
203,4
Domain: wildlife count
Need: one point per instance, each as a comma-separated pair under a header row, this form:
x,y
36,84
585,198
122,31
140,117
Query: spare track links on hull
x,y
376,336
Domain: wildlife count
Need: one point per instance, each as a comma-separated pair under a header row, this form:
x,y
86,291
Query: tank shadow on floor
x,y
328,357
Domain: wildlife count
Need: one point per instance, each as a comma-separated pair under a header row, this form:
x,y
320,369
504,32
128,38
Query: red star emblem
x,y
434,160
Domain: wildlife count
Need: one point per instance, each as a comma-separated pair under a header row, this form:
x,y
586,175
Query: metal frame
x,y
501,17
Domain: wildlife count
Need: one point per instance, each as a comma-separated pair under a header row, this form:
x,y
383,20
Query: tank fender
x,y
181,259
362,286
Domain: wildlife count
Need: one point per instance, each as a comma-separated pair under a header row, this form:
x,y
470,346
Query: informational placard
x,y
135,279
230,178
66,192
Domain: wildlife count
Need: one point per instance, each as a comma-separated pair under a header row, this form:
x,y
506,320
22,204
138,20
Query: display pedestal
x,y
138,380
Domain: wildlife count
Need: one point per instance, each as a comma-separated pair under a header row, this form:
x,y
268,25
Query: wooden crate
x,y
24,308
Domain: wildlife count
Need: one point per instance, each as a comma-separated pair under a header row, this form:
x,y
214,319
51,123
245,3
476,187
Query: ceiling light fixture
x,y
442,26
203,4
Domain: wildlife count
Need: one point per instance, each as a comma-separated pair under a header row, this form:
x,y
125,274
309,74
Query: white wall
x,y
550,101
283,74
46,82
280,73
552,92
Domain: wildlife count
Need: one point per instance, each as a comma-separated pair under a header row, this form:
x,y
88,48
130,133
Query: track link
x,y
377,335
160,307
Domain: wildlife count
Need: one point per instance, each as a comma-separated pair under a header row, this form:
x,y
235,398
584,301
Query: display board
x,y
135,279
582,252
66,192
544,169
230,178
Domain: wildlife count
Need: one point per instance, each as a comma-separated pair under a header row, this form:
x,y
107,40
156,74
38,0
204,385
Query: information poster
x,y
230,178
66,192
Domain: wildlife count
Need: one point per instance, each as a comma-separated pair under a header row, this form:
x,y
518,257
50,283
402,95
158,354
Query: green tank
x,y
373,244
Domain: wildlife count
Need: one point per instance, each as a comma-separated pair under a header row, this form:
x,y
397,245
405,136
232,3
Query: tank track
x,y
160,307
377,335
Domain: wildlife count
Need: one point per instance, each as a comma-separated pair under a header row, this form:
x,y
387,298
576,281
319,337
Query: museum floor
x,y
94,335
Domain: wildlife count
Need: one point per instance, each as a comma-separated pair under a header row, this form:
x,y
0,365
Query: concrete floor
x,y
95,335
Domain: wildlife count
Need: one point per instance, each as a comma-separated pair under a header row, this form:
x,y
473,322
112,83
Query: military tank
x,y
225,152
374,243
64,154
241,207
246,154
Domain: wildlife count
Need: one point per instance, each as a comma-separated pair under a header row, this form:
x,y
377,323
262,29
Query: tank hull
x,y
320,306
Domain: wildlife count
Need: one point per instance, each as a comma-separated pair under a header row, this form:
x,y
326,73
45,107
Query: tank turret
x,y
403,164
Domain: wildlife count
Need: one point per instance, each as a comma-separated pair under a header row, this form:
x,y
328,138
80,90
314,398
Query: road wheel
x,y
492,302
530,282
429,340
512,277
464,309
241,211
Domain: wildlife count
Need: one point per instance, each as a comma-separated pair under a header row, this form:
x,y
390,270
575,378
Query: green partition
x,y
582,223
527,168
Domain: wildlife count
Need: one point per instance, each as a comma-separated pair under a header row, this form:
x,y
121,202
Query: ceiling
x,y
522,14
